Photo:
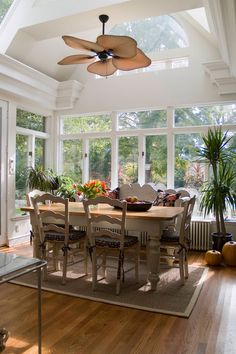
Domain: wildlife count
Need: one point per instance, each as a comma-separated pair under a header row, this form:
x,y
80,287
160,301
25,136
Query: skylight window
x,y
4,7
154,34
199,15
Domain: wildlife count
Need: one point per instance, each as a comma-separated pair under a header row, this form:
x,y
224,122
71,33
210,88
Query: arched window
x,y
154,34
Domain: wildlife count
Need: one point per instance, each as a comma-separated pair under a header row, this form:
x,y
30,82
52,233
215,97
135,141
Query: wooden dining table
x,y
143,221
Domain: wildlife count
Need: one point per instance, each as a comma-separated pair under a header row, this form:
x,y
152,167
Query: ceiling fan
x,y
110,53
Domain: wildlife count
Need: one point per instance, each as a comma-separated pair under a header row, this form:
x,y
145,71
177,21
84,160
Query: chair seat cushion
x,y
74,235
169,236
112,243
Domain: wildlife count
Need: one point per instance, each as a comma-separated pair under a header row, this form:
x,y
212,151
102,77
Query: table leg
x,y
39,311
154,258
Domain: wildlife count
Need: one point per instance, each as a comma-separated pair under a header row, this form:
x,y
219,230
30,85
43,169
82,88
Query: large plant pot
x,y
218,240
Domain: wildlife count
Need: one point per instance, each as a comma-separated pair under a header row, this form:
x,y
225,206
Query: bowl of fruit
x,y
134,204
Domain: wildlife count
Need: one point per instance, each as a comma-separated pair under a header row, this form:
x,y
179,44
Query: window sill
x,y
20,217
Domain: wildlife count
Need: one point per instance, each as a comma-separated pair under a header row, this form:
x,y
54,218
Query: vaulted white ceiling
x,y
31,32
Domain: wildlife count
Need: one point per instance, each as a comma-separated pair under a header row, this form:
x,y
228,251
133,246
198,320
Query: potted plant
x,y
41,179
67,188
217,192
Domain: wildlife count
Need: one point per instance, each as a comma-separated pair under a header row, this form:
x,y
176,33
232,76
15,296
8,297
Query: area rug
x,y
170,297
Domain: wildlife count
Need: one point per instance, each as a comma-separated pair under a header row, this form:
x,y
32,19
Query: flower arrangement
x,y
92,189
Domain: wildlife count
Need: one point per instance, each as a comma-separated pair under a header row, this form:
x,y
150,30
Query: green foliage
x,y
66,187
4,7
30,120
154,33
41,179
48,181
100,159
206,115
218,192
142,119
96,123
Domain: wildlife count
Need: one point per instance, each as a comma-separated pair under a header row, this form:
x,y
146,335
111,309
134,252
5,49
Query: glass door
x,y
3,167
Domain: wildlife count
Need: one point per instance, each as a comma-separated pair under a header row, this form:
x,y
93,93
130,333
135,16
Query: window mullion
x,y
141,159
114,151
85,172
170,148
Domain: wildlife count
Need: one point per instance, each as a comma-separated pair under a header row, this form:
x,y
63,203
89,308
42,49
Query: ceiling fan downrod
x,y
103,19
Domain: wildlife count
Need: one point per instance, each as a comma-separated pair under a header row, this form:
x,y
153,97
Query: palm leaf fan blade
x,y
102,68
78,43
77,59
120,46
126,64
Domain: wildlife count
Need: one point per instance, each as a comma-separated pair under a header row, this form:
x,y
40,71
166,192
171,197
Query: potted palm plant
x,y
218,193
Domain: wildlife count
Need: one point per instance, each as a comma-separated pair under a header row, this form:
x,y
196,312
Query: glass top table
x,y
13,266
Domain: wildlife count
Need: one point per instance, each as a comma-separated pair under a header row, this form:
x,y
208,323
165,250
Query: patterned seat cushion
x,y
111,243
170,236
74,235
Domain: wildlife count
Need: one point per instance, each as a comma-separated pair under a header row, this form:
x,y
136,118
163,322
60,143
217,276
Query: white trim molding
x,y
20,80
220,75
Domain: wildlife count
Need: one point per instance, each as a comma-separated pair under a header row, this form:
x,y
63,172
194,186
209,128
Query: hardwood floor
x,y
77,326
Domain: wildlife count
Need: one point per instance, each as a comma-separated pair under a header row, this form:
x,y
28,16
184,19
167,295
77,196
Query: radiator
x,y
200,235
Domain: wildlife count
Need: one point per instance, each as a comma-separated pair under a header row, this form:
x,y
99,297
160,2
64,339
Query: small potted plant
x,y
218,193
92,189
67,188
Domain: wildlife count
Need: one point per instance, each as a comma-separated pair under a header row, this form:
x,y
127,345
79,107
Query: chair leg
x,y
137,262
104,262
85,258
65,260
56,263
118,278
181,267
186,264
94,268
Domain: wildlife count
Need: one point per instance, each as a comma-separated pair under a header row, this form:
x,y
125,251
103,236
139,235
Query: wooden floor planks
x,y
77,326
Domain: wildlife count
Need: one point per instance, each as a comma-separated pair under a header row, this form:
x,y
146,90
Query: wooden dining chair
x,y
32,194
55,233
175,243
107,240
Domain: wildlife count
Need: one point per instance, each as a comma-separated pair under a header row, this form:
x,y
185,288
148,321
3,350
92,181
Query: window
x,y
100,159
4,7
30,120
156,159
142,120
154,34
21,168
207,115
30,150
188,173
73,159
128,160
96,123
150,146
